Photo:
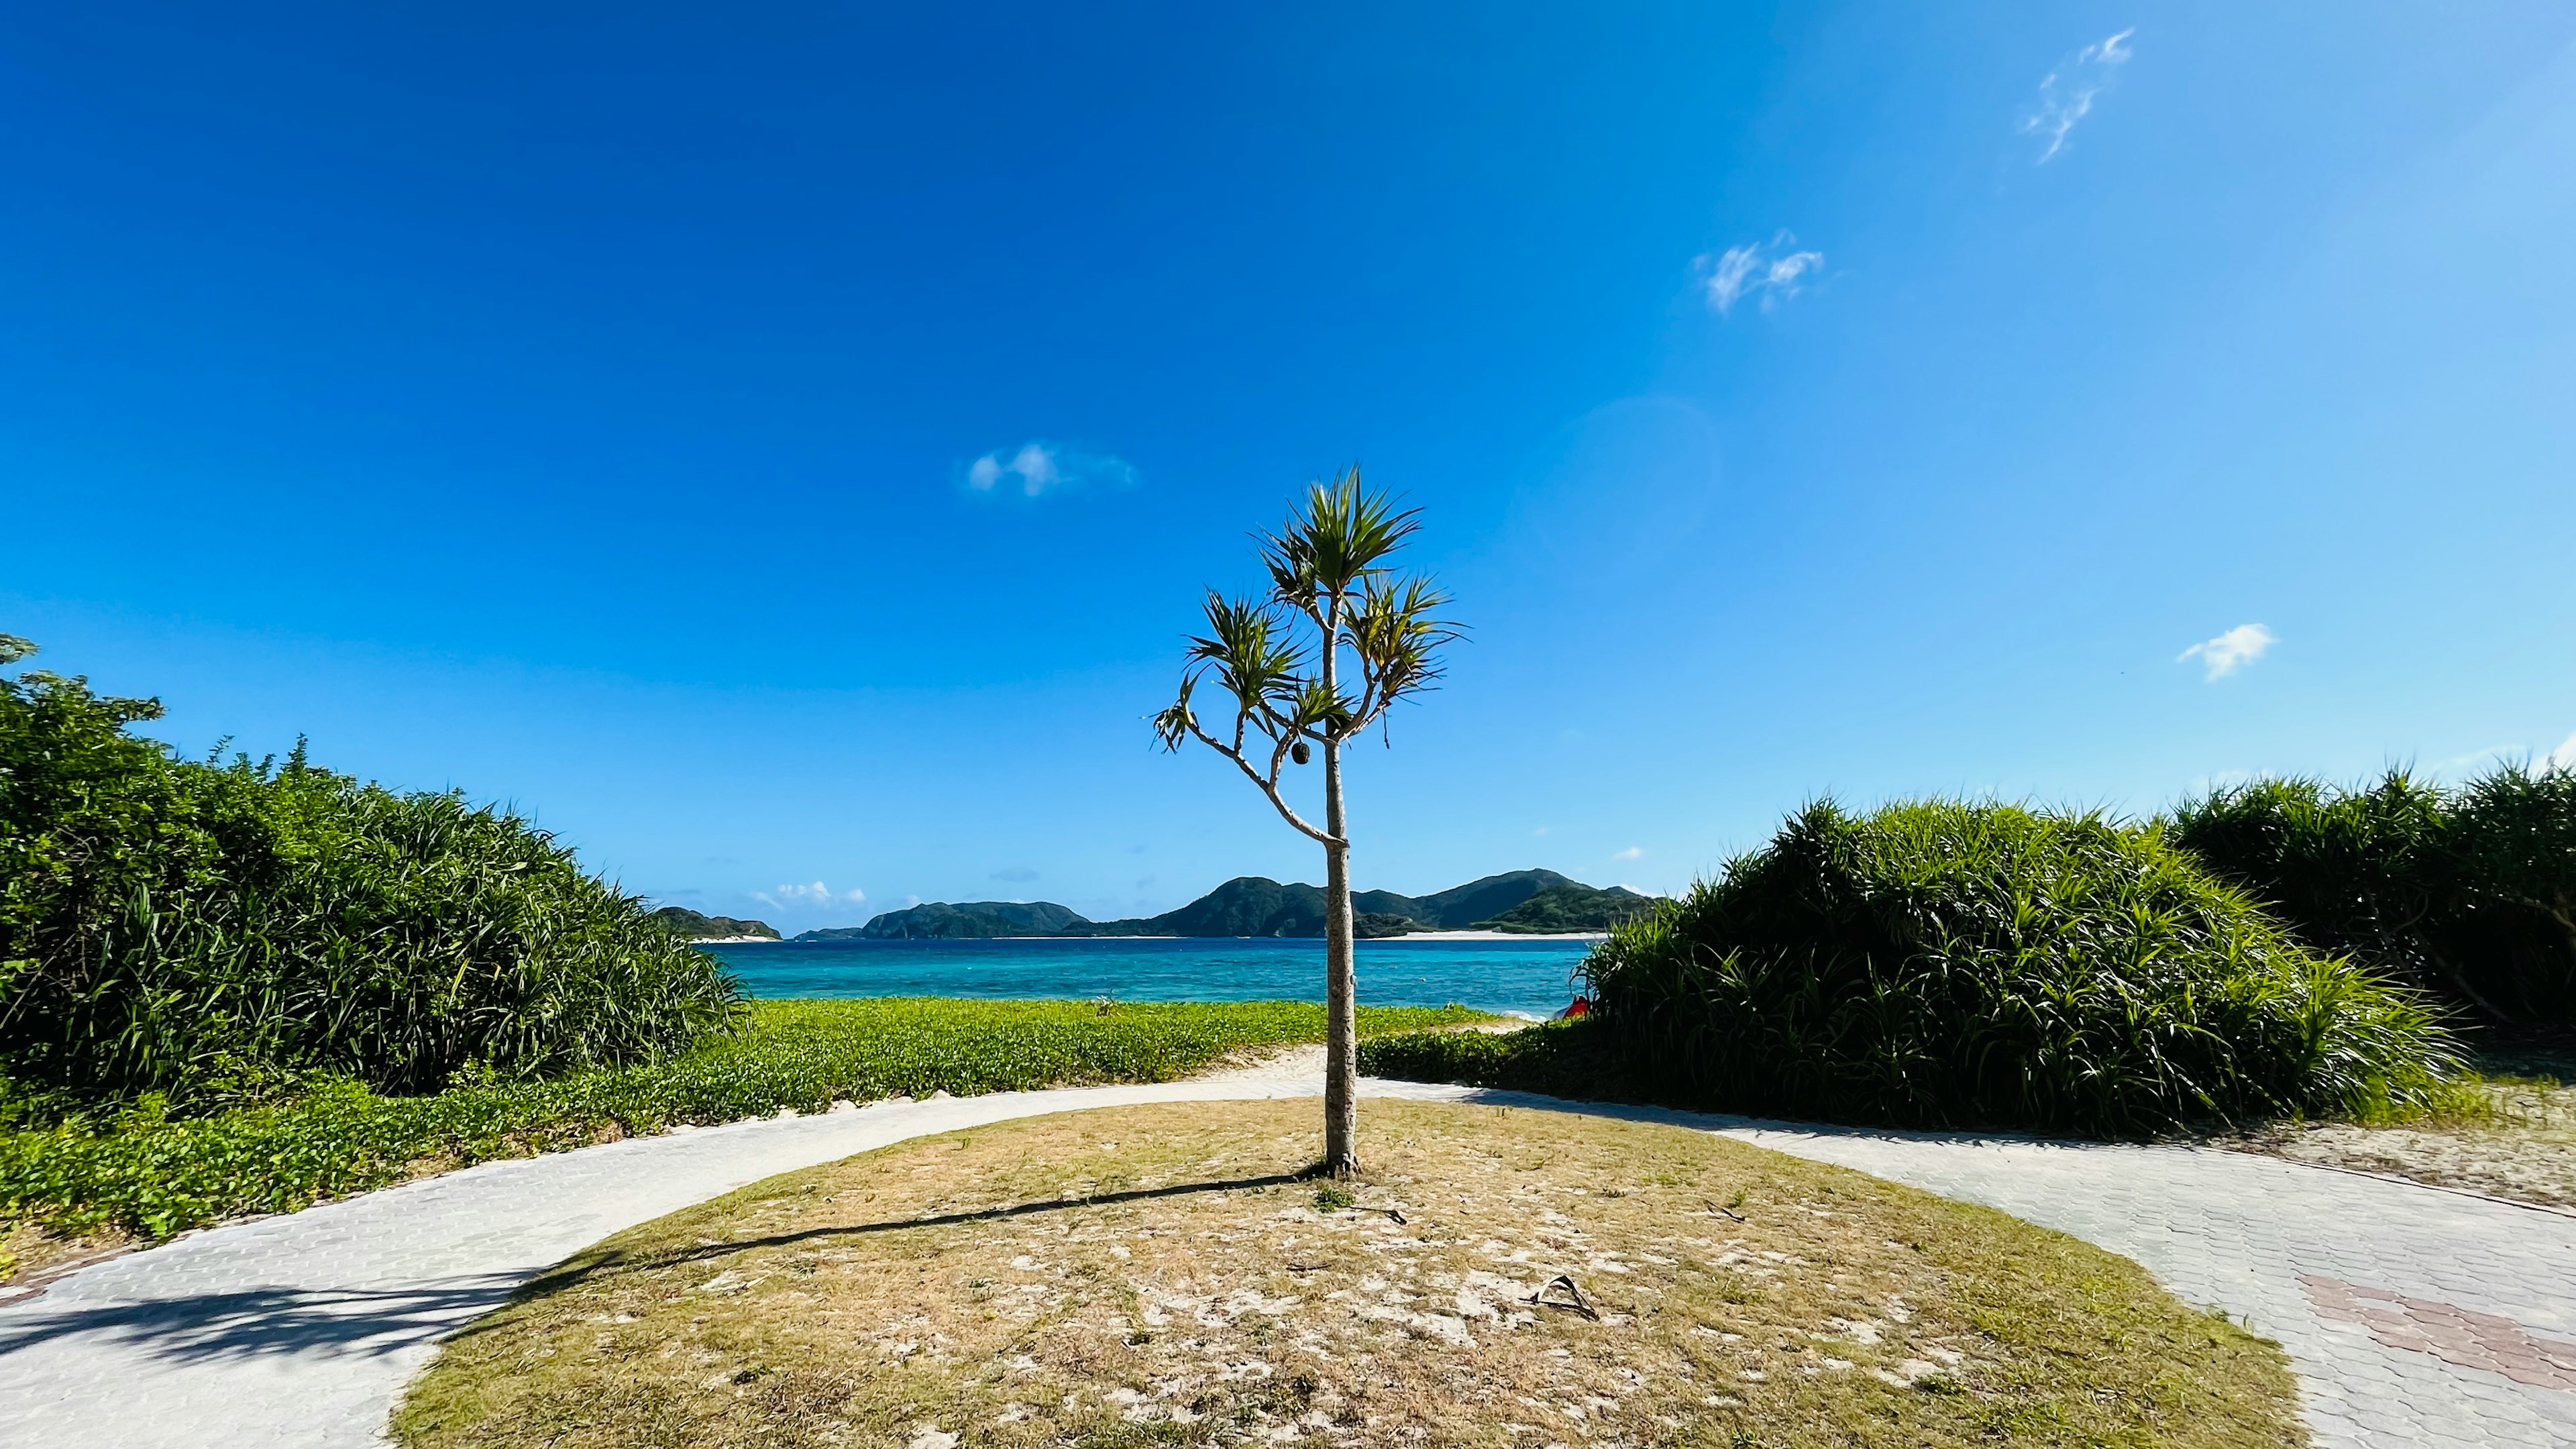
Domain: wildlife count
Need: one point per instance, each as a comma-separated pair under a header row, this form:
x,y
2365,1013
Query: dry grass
x,y
31,1255
1159,1275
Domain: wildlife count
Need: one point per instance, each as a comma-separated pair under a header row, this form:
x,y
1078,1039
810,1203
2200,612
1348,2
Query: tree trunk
x,y
1341,1013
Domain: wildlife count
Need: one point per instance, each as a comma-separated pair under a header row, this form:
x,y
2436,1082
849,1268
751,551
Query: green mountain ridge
x,y
1528,901
1572,907
962,920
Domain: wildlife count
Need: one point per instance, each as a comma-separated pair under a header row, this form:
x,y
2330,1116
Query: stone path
x,y
2413,1316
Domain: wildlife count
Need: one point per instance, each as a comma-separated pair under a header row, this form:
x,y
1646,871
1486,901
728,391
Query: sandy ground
x,y
2527,1154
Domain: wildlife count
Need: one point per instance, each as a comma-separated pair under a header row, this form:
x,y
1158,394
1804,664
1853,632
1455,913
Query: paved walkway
x,y
2413,1316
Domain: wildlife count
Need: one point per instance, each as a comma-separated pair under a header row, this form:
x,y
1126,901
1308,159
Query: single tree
x,y
1335,643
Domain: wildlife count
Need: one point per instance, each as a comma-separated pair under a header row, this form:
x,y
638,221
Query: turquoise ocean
x,y
1527,976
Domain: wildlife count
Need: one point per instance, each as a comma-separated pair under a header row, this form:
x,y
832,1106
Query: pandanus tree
x,y
1338,640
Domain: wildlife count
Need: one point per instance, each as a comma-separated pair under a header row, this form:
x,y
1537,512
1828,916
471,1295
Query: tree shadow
x,y
581,1268
266,1322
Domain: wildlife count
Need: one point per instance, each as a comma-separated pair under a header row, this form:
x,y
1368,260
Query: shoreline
x,y
1363,940
1495,936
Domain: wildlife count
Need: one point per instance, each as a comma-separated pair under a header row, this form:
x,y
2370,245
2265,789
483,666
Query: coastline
x,y
1496,936
1364,940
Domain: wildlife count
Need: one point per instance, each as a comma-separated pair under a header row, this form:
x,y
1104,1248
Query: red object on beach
x,y
1579,1007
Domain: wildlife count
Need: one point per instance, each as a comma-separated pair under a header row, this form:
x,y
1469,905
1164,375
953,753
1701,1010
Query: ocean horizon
x,y
1530,975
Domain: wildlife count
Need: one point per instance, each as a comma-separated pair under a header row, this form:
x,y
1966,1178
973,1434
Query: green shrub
x,y
1947,964
1559,1059
143,1171
2470,894
2512,923
216,932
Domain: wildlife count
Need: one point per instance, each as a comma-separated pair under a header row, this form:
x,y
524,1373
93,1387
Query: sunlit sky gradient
x,y
781,446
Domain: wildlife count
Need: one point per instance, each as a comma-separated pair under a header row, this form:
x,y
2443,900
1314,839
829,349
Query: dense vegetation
x,y
2468,893
213,931
1572,907
943,920
147,1173
692,925
1945,964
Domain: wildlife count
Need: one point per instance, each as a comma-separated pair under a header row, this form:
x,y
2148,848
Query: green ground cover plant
x,y
214,932
2469,893
1944,964
140,1170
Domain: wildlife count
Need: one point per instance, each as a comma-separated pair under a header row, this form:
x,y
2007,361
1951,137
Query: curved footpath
x,y
2414,1316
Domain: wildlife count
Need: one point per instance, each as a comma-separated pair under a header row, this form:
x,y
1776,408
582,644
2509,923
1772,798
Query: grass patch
x,y
148,1173
1160,1276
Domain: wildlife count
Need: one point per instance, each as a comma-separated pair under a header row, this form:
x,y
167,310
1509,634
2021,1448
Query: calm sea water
x,y
1531,976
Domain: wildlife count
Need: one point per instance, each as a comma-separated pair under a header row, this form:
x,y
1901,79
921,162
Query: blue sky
x,y
781,447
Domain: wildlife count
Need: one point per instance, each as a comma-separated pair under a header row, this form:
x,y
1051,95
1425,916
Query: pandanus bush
x,y
210,931
2469,893
1950,964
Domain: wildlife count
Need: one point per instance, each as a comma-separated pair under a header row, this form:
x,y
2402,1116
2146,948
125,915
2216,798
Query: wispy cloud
x,y
1634,852
2489,755
812,896
1772,271
2231,651
2563,757
2066,94
1040,467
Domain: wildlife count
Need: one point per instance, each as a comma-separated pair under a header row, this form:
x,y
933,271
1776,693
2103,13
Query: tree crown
x,y
1330,581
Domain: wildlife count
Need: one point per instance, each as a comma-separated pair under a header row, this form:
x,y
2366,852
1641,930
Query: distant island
x,y
942,921
1529,902
691,926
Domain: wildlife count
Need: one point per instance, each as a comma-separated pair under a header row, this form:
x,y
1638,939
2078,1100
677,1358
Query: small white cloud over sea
x,y
1772,271
2066,94
2229,652
810,896
1039,467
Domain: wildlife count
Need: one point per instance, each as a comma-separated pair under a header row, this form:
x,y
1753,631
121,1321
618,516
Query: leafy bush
x,y
214,932
1559,1059
2470,894
1944,964
148,1173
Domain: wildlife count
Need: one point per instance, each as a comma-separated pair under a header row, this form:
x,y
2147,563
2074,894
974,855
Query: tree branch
x,y
1269,787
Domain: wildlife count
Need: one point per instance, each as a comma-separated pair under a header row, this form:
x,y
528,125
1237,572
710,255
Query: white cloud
x,y
2231,651
1766,270
1039,466
814,895
2066,94
1634,852
2563,757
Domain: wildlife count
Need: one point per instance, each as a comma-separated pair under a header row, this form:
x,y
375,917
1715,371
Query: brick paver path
x,y
2413,1316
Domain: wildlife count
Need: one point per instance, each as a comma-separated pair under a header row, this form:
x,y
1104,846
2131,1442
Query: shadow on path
x,y
1730,1122
267,1322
